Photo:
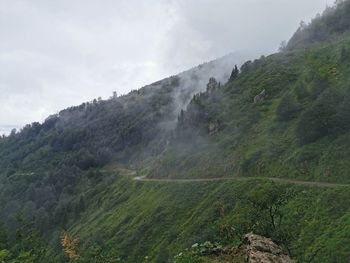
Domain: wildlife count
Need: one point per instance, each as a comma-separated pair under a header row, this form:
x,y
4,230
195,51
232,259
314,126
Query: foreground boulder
x,y
260,249
254,249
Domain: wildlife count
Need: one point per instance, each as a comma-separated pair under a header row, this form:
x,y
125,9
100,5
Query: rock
x,y
260,97
254,249
260,249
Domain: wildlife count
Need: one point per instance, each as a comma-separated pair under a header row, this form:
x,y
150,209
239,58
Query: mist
x,y
58,54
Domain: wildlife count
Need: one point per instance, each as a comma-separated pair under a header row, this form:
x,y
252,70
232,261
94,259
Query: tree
x,y
321,118
302,25
29,246
13,132
287,108
262,212
3,237
234,73
283,46
314,124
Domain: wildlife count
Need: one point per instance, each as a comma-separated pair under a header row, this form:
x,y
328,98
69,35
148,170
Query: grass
x,y
135,220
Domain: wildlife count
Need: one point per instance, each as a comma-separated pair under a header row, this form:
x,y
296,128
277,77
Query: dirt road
x,y
277,180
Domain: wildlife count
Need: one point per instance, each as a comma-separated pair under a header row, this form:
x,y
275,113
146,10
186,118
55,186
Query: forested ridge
x,y
66,185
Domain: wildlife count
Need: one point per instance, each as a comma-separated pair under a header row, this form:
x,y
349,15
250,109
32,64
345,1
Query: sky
x,y
59,53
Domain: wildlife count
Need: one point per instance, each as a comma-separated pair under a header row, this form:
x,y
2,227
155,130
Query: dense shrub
x,y
320,119
287,109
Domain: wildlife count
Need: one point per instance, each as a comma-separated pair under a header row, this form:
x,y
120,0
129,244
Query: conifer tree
x,y
234,73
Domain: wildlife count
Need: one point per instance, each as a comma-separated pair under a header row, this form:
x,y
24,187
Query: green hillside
x,y
163,219
300,130
144,176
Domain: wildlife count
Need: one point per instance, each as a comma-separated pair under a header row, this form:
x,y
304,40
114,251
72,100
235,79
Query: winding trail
x,y
133,175
218,179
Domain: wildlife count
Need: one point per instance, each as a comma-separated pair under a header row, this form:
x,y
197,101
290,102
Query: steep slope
x,y
298,130
285,115
92,133
133,220
331,25
44,165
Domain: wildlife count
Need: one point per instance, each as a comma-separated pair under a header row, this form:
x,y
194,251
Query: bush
x,y
320,119
287,109
342,118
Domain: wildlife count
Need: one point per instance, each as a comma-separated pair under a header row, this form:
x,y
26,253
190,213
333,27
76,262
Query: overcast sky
x,y
58,53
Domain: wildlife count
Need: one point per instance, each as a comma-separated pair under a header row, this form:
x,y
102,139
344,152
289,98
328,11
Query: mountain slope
x,y
281,116
131,220
331,25
299,130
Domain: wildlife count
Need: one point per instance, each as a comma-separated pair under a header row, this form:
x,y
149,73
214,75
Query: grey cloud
x,y
213,28
54,54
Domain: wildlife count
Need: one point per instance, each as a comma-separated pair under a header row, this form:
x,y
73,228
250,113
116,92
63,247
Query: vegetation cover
x,y
121,180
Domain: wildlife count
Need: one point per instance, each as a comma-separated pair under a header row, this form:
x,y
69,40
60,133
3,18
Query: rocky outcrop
x,y
254,249
260,97
260,249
